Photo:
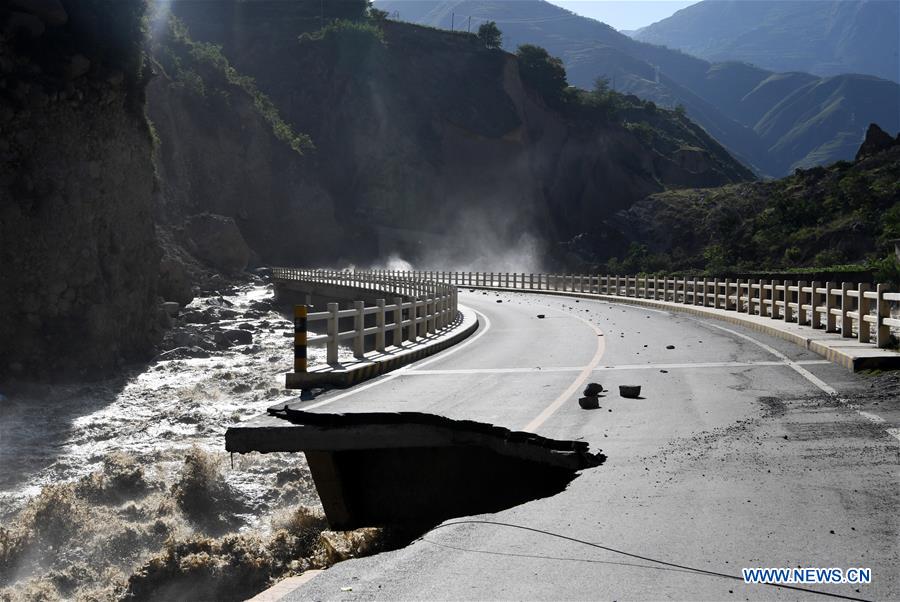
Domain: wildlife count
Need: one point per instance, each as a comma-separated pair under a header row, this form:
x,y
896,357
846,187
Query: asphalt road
x,y
735,457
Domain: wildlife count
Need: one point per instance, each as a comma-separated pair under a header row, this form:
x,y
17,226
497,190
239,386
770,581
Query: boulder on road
x,y
593,389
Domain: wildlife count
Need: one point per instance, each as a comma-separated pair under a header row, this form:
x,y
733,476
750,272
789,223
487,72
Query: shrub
x,y
209,60
542,72
490,35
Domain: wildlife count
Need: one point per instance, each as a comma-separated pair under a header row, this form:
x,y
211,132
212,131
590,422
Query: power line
x,y
639,557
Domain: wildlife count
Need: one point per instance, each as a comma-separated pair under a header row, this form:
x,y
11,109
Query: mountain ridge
x,y
824,37
713,94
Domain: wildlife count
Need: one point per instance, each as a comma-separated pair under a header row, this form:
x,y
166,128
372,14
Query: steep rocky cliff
x,y
224,149
347,143
78,255
429,145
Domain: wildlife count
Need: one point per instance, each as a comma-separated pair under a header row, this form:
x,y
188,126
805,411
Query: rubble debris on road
x,y
630,391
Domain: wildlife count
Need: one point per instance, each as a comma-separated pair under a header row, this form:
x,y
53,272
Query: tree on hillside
x,y
490,35
542,72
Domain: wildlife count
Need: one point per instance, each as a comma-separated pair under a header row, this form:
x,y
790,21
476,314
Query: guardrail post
x,y
846,320
815,318
423,318
300,361
774,314
749,305
788,313
398,321
449,304
863,332
762,299
359,324
830,318
882,311
332,331
379,322
414,319
430,303
728,303
802,300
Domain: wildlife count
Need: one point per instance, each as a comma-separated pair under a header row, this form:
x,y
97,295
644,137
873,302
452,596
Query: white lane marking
x,y
875,418
818,382
454,349
396,373
871,417
688,365
583,376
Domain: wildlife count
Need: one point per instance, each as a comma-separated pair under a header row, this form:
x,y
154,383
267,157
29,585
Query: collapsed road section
x,y
414,469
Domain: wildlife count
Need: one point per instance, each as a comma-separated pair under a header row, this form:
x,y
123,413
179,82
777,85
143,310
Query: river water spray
x,y
119,479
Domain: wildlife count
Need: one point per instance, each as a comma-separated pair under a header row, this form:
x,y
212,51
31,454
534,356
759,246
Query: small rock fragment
x,y
593,389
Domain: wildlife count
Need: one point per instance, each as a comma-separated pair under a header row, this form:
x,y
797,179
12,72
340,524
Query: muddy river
x,y
101,482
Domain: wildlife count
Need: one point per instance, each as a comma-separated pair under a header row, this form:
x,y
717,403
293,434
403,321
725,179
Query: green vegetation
x,y
839,218
490,35
203,70
353,44
542,72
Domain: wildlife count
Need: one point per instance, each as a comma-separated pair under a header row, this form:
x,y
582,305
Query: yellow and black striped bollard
x,y
300,338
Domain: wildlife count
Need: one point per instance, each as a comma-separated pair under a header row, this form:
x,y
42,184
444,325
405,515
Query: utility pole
x,y
469,28
452,21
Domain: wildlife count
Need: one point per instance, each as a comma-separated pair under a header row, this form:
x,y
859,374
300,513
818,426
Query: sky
x,y
625,14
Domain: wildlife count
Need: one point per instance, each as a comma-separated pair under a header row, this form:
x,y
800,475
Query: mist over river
x,y
101,480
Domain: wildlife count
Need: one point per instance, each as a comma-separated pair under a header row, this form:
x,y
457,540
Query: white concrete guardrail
x,y
421,313
858,313
853,311
831,306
